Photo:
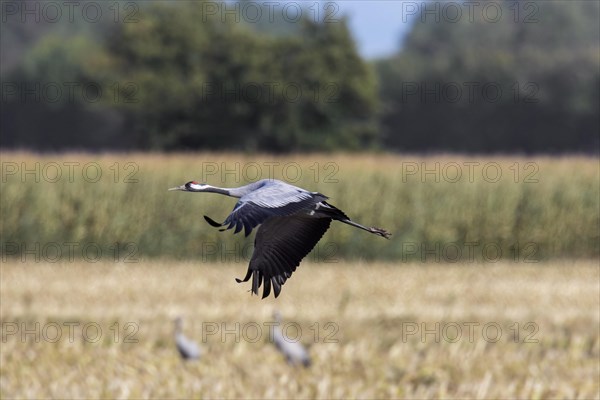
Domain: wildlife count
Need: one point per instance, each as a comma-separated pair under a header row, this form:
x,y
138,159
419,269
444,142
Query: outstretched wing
x,y
280,244
273,200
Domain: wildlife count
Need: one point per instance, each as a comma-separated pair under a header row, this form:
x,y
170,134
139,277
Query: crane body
x,y
188,349
292,220
294,352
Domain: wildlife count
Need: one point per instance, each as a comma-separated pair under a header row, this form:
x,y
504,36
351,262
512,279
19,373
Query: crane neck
x,y
213,189
239,191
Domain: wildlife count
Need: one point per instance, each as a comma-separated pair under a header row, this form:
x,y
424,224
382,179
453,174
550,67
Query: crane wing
x,y
268,201
280,244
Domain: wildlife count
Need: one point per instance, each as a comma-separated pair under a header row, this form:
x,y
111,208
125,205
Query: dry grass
x,y
371,304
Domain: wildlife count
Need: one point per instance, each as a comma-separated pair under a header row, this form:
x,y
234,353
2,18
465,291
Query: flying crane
x,y
292,220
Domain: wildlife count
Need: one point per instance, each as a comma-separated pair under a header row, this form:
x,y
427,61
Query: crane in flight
x,y
292,220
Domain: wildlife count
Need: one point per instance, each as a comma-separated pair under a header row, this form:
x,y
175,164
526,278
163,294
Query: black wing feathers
x,y
212,222
248,215
280,244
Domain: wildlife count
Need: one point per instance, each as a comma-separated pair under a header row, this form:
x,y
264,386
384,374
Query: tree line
x,y
185,76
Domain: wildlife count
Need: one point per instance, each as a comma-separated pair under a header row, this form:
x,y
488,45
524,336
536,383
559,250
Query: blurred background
x,y
495,77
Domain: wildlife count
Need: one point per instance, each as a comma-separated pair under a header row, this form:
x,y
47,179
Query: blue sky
x,y
377,26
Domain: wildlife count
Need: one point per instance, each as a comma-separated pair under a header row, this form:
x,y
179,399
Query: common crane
x,y
187,348
292,221
295,353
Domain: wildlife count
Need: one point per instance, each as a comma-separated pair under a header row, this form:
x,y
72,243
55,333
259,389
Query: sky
x,y
377,26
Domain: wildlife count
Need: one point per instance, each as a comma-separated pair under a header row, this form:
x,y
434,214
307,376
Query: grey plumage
x,y
294,352
292,221
187,348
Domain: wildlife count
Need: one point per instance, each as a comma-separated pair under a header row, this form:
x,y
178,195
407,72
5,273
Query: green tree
x,y
180,77
224,85
542,56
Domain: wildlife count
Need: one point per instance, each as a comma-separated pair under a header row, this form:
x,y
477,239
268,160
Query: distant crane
x,y
187,348
294,351
293,221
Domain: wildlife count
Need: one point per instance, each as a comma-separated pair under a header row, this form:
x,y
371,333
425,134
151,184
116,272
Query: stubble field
x,y
375,330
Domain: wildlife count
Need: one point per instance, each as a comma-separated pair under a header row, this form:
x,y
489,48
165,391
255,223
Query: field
x,y
488,288
370,349
491,208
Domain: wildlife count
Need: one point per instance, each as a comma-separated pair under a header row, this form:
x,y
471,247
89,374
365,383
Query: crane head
x,y
191,186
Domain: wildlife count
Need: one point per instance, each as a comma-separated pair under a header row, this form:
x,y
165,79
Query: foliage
x,y
436,207
179,78
528,82
221,85
182,79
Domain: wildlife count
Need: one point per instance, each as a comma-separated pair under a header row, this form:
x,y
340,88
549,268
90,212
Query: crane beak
x,y
182,187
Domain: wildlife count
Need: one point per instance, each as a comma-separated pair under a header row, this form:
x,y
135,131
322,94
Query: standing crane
x,y
187,348
292,221
295,353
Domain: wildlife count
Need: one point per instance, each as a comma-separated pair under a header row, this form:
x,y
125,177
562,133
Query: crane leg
x,y
371,229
